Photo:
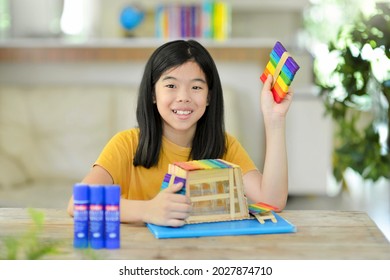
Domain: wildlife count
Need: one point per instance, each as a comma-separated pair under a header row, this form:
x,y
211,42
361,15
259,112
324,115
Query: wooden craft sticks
x,y
214,187
216,191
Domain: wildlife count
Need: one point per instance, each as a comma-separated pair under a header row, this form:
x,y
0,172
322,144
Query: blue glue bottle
x,y
80,215
96,216
112,216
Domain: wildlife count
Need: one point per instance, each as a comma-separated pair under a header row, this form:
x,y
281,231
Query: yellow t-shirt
x,y
140,183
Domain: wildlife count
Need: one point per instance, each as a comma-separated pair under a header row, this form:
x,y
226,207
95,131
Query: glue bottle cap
x,y
96,194
80,193
112,194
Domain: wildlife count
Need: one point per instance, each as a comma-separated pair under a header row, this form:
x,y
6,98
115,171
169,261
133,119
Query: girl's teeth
x,y
182,112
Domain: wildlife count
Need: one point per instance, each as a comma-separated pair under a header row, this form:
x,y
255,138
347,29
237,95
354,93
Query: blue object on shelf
x,y
242,227
131,17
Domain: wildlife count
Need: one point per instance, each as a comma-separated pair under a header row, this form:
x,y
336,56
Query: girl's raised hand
x,y
273,111
168,208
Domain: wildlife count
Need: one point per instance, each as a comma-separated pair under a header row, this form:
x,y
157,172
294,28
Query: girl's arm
x,y
272,186
167,208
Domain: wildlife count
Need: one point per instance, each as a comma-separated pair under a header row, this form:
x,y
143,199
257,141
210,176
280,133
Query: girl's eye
x,y
170,86
196,87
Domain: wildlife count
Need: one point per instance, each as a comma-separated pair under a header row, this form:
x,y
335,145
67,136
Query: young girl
x,y
181,117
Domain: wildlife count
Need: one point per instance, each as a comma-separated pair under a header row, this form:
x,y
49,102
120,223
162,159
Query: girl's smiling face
x,y
181,98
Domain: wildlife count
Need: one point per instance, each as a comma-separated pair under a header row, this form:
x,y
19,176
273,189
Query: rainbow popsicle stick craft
x,y
219,205
214,187
283,69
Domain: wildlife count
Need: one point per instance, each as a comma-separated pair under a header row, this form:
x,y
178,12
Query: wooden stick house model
x,y
215,188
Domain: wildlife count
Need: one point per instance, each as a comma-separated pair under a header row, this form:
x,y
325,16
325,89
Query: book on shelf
x,y
209,20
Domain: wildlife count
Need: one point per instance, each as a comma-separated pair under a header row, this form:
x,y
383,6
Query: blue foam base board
x,y
242,227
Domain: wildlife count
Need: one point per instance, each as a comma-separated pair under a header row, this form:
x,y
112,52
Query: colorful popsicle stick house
x,y
214,187
283,69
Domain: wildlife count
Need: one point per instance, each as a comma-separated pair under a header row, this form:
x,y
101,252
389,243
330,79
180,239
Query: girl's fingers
x,y
179,207
176,223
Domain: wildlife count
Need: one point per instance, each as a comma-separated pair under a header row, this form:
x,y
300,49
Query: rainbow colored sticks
x,y
261,207
262,211
169,179
283,69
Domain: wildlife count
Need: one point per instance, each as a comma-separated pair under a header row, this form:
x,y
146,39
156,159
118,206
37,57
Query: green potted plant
x,y
356,93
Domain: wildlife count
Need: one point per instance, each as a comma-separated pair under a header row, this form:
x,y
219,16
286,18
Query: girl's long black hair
x,y
209,141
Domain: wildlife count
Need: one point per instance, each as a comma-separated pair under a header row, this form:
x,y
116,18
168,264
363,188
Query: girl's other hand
x,y
168,208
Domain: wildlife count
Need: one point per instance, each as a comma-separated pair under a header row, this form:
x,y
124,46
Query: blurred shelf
x,y
126,49
242,5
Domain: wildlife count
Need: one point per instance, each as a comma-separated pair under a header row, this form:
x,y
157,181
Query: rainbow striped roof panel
x,y
280,60
203,164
